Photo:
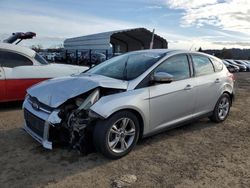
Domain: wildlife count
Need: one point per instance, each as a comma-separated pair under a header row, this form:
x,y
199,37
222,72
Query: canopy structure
x,y
118,41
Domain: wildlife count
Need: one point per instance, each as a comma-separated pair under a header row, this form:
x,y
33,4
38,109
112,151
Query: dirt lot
x,y
201,154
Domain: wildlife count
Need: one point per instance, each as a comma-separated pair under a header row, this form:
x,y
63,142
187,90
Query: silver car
x,y
128,97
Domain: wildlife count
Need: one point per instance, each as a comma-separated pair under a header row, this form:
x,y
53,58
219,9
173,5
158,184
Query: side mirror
x,y
162,77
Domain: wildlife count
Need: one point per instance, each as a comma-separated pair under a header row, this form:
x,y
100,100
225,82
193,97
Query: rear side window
x,y
217,65
177,66
202,65
11,60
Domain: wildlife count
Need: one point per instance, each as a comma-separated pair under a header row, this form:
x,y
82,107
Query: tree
x,y
226,54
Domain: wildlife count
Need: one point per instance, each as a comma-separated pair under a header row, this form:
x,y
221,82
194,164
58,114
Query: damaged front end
x,y
76,118
69,124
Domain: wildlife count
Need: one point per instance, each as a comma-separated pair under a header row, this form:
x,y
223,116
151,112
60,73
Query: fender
x,y
124,101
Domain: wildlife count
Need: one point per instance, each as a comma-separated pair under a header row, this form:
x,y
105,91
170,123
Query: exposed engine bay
x,y
77,120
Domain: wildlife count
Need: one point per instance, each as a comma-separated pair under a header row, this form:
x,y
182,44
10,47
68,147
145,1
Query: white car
x,y
21,67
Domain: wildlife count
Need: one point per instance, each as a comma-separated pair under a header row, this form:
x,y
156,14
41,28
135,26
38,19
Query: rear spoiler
x,y
19,36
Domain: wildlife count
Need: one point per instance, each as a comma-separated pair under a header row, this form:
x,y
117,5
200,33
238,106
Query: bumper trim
x,y
45,143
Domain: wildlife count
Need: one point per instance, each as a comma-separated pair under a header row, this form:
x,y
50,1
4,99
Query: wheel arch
x,y
231,95
137,114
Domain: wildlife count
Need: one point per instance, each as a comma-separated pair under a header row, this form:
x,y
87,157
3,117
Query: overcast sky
x,y
184,23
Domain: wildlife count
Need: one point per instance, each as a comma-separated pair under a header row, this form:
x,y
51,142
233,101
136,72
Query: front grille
x,y
34,123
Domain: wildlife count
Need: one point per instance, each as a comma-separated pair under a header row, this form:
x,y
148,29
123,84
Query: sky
x,y
185,24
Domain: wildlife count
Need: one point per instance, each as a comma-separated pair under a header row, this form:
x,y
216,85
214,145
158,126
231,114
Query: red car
x,y
21,67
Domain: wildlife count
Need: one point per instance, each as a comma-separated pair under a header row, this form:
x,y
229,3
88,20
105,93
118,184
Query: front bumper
x,y
38,123
42,140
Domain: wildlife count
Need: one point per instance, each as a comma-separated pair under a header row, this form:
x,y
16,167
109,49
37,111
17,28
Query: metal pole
x,y
90,57
152,40
76,56
66,56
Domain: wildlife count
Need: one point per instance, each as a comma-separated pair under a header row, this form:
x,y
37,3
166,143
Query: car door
x,y
173,102
2,83
16,82
208,84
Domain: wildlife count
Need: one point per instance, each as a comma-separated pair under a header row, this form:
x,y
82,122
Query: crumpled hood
x,y
56,91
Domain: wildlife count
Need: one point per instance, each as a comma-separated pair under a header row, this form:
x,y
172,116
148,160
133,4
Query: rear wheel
x,y
116,136
221,109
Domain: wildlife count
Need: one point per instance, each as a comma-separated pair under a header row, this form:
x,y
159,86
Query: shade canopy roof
x,y
119,41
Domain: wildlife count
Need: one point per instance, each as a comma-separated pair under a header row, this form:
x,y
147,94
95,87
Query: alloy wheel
x,y
121,135
223,109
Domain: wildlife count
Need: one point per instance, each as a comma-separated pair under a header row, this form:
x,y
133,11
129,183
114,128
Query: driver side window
x,y
177,66
11,60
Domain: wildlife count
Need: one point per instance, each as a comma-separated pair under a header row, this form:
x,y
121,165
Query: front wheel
x,y
116,136
221,109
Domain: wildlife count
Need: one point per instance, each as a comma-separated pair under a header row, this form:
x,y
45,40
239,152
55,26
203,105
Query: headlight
x,y
79,101
90,100
54,118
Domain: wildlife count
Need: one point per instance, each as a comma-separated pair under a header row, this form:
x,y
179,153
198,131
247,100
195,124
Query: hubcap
x,y
121,135
223,108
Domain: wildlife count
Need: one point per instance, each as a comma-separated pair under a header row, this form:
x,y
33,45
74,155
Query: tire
x,y
219,116
107,133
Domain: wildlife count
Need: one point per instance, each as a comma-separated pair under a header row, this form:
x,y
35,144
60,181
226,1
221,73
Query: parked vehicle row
x,y
85,58
231,67
237,65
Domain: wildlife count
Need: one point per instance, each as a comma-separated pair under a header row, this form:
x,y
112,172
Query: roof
x,y
177,51
127,40
17,48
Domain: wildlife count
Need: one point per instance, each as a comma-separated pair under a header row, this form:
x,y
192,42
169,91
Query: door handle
x,y
217,80
188,87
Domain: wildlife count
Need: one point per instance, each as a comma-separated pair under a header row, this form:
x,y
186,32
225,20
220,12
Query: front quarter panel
x,y
137,100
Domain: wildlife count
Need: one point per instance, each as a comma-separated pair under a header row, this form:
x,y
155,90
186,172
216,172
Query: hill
x,y
234,53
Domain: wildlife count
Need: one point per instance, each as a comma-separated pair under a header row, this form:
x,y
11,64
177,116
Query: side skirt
x,y
173,126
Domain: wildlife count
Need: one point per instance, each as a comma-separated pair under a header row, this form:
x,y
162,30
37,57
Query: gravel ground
x,y
201,154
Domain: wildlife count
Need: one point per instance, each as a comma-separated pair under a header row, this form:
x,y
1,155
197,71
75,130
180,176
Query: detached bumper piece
x,y
37,128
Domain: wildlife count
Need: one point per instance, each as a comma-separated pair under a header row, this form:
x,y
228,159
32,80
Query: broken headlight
x,y
90,100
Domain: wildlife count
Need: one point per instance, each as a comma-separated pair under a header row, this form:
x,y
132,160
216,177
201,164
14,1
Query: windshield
x,y
40,59
128,66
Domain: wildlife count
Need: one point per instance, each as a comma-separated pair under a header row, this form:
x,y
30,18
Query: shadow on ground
x,y
8,106
24,162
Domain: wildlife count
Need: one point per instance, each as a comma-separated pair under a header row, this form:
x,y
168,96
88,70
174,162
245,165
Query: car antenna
x,y
191,47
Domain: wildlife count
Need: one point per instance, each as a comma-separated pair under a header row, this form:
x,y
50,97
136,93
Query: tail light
x,y
231,76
